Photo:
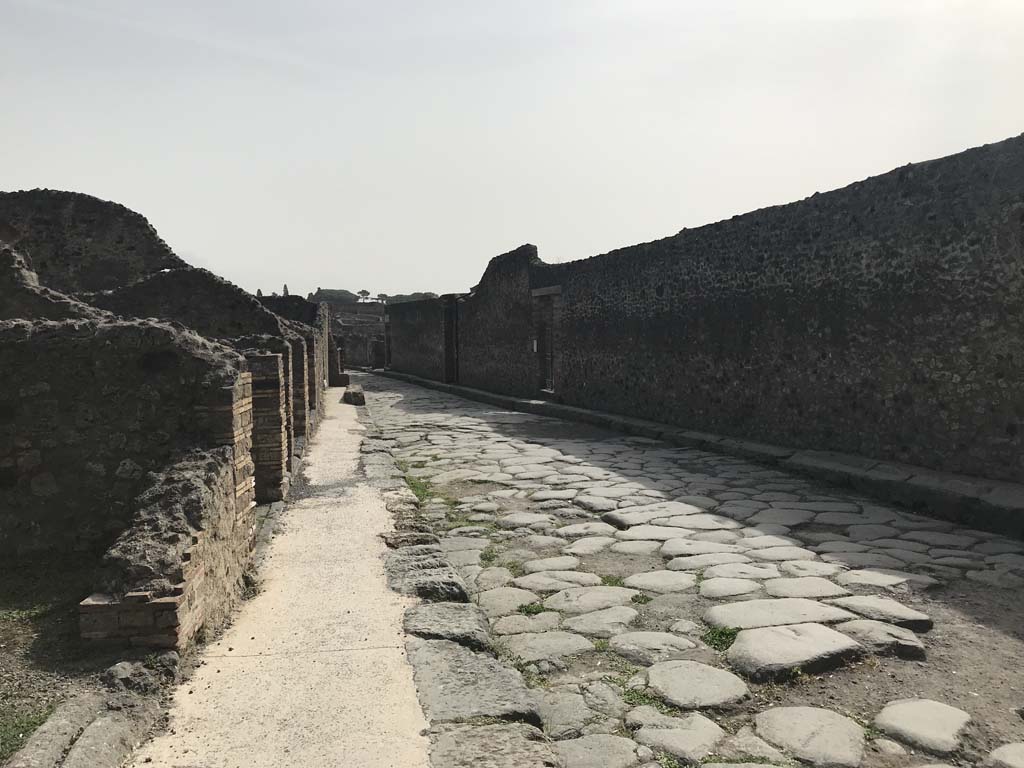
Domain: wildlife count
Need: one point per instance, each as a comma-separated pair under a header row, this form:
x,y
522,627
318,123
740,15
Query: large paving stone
x,y
719,589
454,684
688,737
750,614
651,647
589,545
661,581
924,723
588,599
644,514
699,562
788,517
816,736
745,745
775,653
700,522
522,520
602,750
884,639
804,586
563,563
492,578
687,547
649,533
512,745
884,577
517,624
579,530
462,623
782,554
607,622
884,609
1006,756
565,713
742,571
555,581
692,685
504,600
800,568
546,645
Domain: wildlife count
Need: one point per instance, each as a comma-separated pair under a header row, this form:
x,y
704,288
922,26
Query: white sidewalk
x,y
312,671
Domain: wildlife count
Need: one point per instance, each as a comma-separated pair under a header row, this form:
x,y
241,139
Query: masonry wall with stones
x,y
94,407
495,327
884,319
137,435
419,328
81,243
312,322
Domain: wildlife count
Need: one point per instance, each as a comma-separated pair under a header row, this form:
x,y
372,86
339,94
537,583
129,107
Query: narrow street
x,y
675,605
312,671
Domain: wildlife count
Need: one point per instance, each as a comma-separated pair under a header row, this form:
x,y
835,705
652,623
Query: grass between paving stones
x,y
488,555
641,598
612,581
600,644
720,638
665,760
17,726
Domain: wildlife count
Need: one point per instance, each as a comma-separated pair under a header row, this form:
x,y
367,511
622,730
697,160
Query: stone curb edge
x,y
974,502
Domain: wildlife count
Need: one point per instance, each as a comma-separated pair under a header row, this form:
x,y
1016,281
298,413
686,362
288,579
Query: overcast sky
x,y
397,146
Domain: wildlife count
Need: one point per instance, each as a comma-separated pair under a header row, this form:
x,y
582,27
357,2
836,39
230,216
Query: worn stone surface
x,y
606,622
587,599
885,609
817,736
768,613
546,645
651,647
512,745
1006,756
882,638
462,623
688,737
692,685
454,683
770,653
598,751
504,600
924,723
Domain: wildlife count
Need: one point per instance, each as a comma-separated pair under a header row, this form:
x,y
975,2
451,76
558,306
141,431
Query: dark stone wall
x,y
81,243
884,319
22,295
94,407
418,338
496,327
196,298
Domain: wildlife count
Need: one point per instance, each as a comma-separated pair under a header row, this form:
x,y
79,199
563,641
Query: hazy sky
x,y
397,146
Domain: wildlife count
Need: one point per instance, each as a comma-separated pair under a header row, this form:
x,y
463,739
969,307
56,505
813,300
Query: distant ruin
x,y
883,320
154,406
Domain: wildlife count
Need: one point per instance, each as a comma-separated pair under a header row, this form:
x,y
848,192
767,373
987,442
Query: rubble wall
x,y
94,406
495,347
80,243
418,338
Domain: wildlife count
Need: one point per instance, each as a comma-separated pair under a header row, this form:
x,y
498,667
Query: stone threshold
x,y
974,502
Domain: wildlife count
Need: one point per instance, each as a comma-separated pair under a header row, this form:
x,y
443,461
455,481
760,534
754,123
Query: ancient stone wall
x,y
417,331
312,321
94,406
22,295
884,319
495,347
270,426
81,243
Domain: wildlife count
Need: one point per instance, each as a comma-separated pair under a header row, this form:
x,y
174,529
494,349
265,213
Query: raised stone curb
x,y
975,502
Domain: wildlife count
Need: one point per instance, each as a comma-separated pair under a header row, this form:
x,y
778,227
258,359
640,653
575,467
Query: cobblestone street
x,y
653,605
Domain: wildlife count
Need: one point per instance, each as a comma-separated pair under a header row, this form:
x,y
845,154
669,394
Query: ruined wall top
x,y
80,243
